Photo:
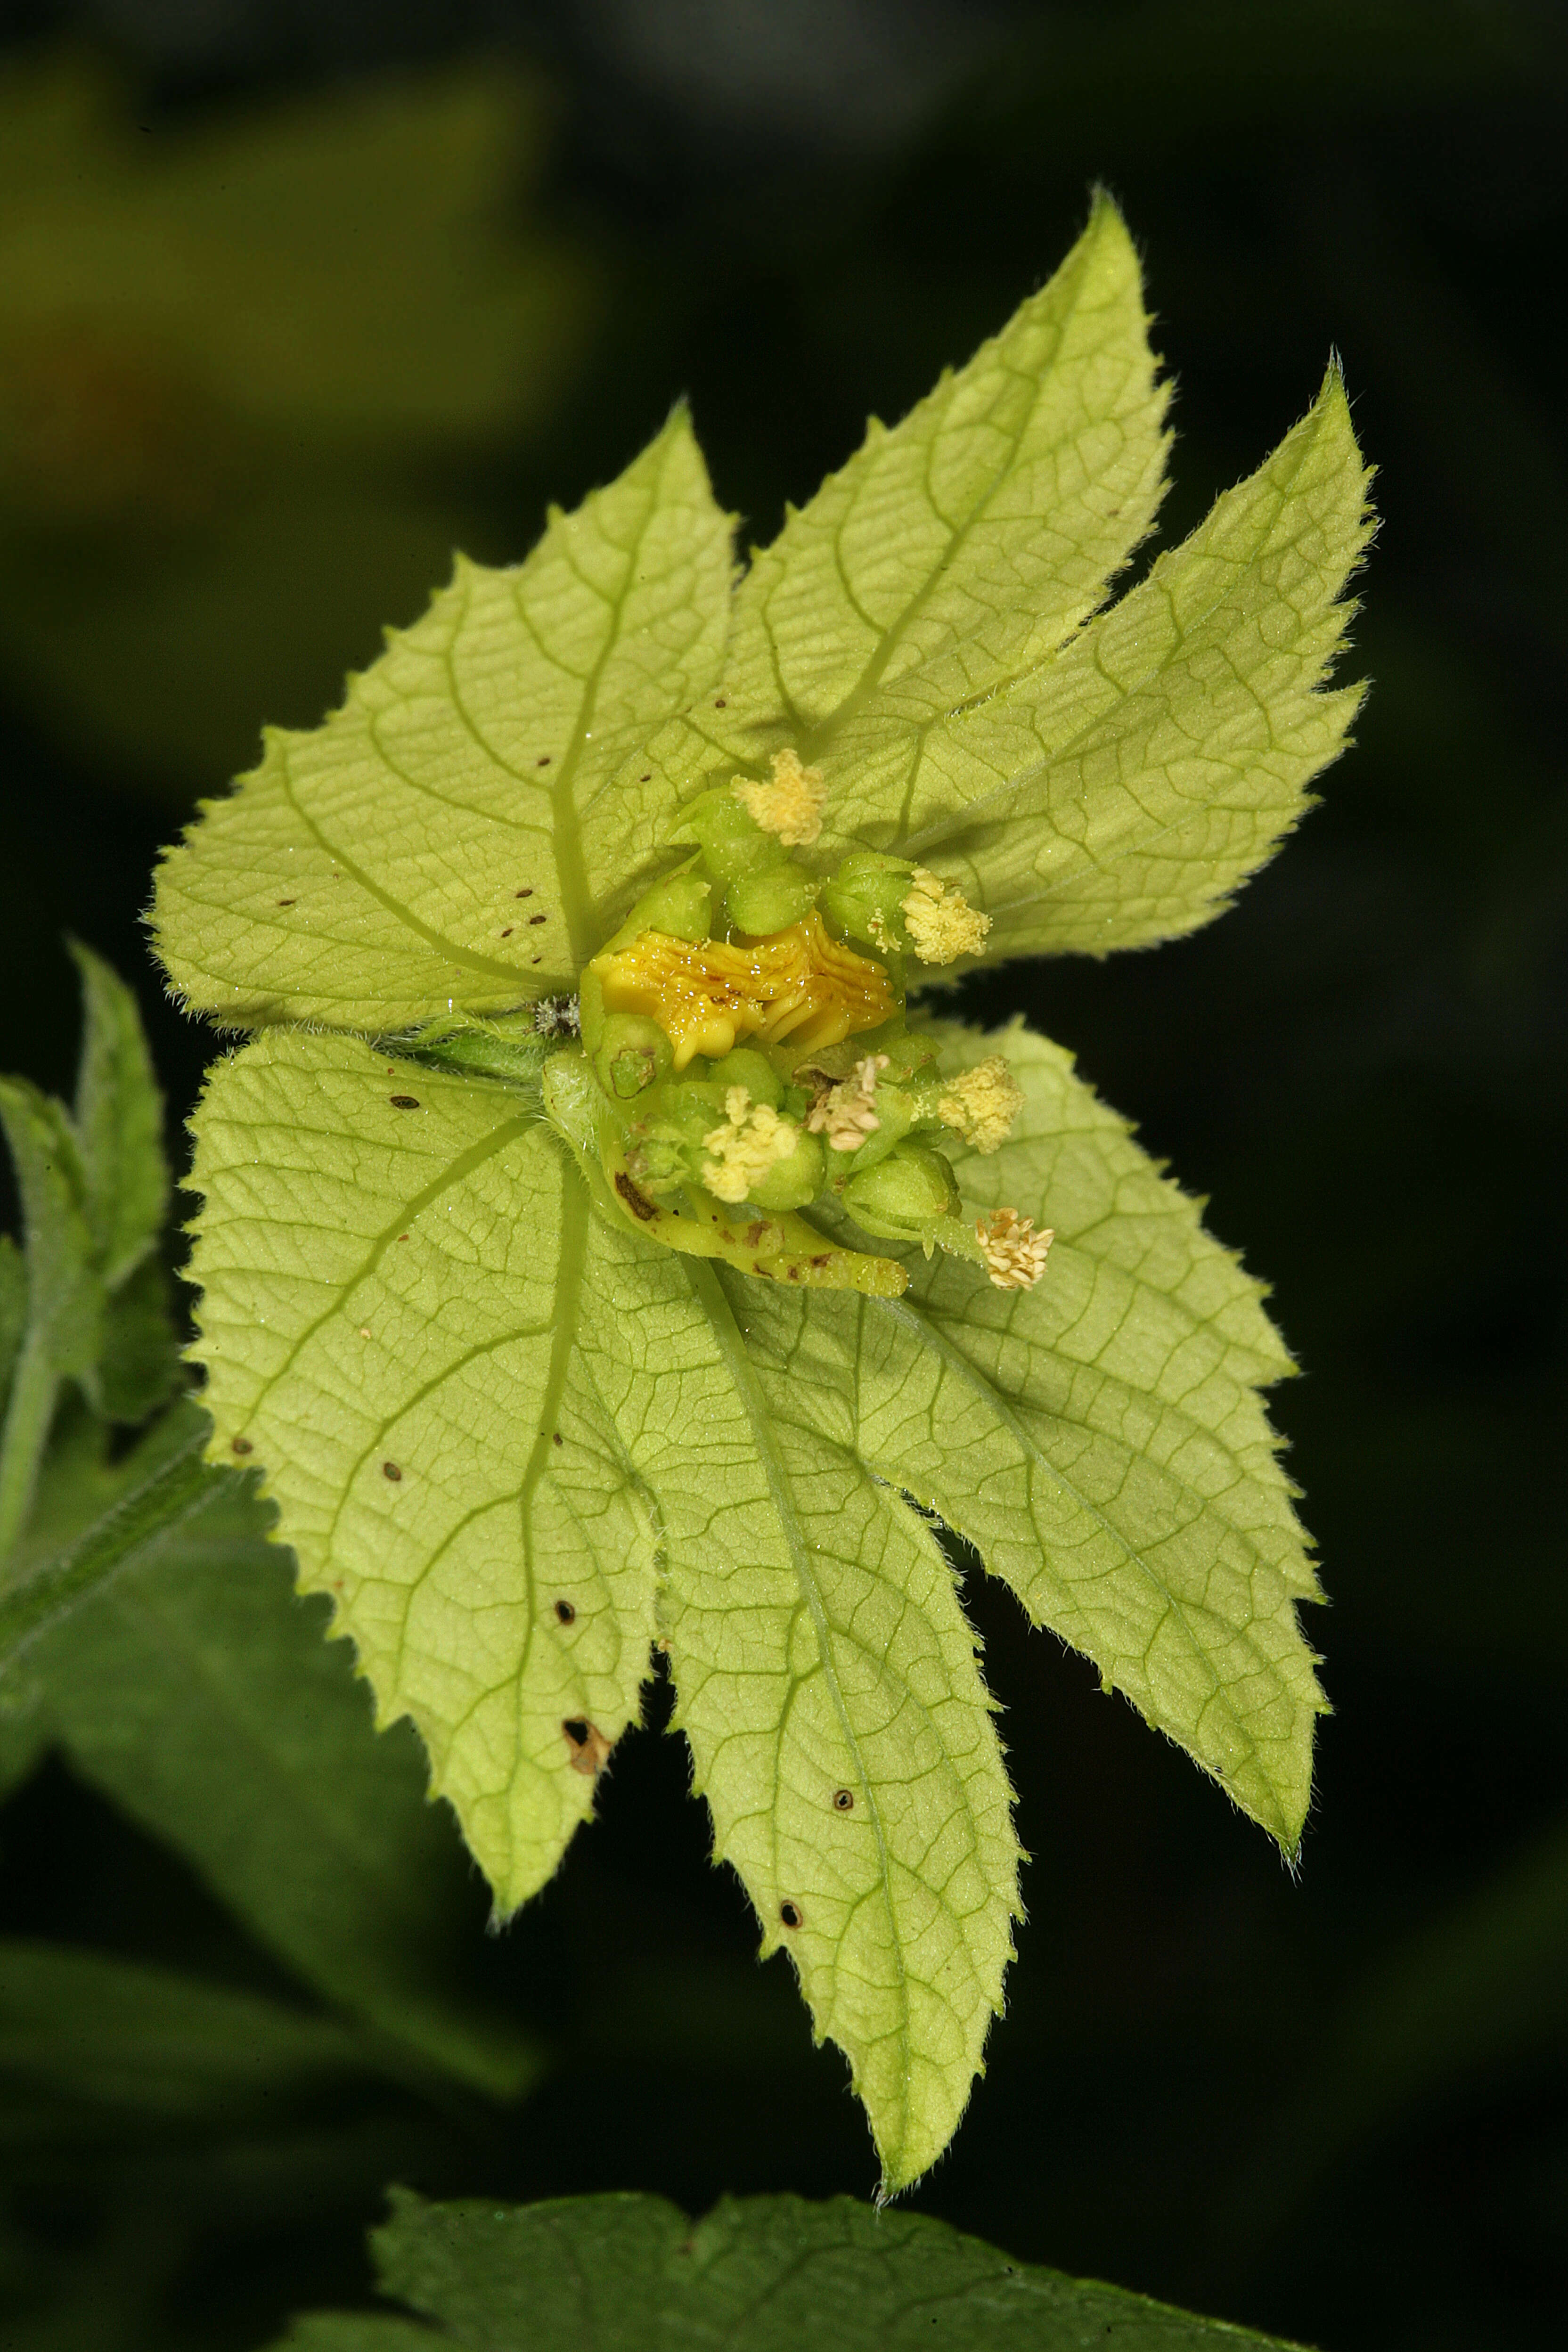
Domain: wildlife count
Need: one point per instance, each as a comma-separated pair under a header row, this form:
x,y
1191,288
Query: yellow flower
x,y
982,1104
751,1142
942,924
1014,1253
790,805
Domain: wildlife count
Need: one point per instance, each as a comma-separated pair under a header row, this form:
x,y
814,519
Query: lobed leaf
x,y
956,551
1120,794
392,1288
457,831
429,1292
631,2274
1100,1439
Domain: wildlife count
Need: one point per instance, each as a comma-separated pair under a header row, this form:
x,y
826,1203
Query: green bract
x,y
551,1348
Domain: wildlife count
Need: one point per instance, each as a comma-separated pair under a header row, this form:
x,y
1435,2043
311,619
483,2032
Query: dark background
x,y
1333,2106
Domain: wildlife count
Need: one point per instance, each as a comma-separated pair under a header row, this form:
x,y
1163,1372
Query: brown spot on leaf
x,y
539,918
589,1747
390,1470
288,902
567,1614
719,703
637,1203
558,1439
825,1259
240,1445
507,932
843,1802
404,1102
792,1915
543,759
528,893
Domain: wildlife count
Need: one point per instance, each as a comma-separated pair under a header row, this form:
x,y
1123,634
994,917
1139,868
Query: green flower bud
x,y
681,905
748,1068
864,898
732,843
795,1182
632,1055
771,901
906,1197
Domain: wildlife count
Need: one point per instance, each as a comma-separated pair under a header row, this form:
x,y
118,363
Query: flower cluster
x,y
746,1034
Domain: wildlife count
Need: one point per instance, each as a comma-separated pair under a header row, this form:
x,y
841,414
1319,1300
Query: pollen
x,y
798,984
942,924
789,804
847,1113
982,1104
1014,1253
752,1141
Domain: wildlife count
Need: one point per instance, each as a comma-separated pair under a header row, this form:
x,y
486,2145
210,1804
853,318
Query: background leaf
x,y
189,1685
118,1124
617,2273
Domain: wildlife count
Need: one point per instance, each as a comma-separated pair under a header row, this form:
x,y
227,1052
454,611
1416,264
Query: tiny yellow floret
x,y
790,805
982,1104
847,1113
752,1141
1014,1253
942,924
799,984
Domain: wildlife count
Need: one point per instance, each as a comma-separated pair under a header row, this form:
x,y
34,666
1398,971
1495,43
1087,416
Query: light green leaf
x,y
118,1124
456,833
1120,794
957,551
515,1437
827,1683
165,1654
811,1621
391,1311
1100,1439
631,2274
918,634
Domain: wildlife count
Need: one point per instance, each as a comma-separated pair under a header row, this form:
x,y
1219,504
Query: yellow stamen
x,y
1014,1253
846,1114
799,984
942,924
790,806
982,1104
753,1140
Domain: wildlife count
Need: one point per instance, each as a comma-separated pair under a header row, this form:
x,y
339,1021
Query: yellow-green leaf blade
x,y
389,1317
827,1685
958,548
449,835
1101,1441
1121,794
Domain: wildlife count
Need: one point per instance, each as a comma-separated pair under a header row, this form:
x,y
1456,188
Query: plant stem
x,y
28,1417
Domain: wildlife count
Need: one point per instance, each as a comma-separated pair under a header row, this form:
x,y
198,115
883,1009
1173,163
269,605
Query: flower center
x,y
799,984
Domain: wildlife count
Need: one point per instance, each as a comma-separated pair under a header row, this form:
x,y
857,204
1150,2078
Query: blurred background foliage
x,y
292,300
